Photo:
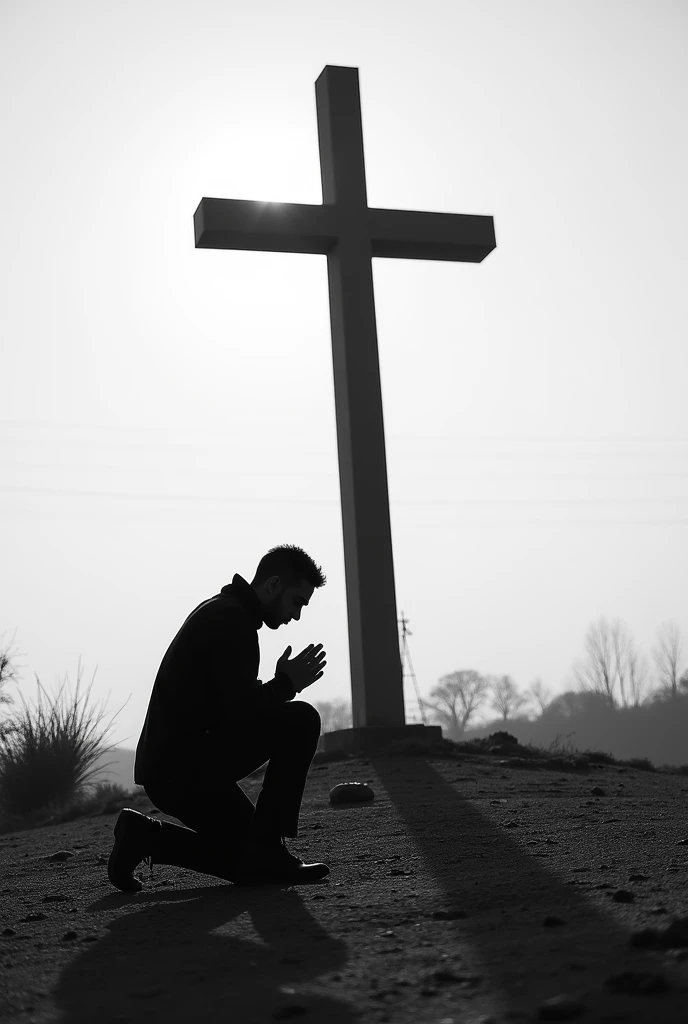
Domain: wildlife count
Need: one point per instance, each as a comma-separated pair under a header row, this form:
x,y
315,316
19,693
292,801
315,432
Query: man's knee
x,y
305,714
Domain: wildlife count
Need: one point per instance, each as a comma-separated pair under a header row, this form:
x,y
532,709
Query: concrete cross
x,y
349,233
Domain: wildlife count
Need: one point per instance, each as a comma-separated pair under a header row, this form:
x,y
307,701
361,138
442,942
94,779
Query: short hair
x,y
292,565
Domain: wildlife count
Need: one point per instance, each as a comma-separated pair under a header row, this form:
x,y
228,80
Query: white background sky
x,y
167,414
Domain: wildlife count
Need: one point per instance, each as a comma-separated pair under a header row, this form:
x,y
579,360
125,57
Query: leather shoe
x,y
270,862
134,834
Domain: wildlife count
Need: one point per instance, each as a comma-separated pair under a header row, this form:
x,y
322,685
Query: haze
x,y
168,414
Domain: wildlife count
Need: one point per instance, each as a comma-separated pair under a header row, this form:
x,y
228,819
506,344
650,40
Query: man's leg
x,y
293,735
217,823
214,830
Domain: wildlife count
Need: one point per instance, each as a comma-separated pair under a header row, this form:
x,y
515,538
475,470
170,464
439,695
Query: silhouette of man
x,y
211,722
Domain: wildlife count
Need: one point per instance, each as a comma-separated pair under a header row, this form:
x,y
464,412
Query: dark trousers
x,y
215,812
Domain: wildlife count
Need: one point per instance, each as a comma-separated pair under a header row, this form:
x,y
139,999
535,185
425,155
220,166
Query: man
x,y
211,722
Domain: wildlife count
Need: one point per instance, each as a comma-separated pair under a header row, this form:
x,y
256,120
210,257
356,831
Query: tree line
x,y
620,698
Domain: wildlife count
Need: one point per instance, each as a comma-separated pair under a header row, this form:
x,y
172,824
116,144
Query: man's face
x,y
285,603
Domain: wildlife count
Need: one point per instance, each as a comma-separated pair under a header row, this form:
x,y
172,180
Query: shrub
x,y
103,798
600,757
502,739
48,751
643,764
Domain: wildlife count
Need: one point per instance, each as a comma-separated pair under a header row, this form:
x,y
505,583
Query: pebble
x,y
597,791
60,855
551,921
351,792
623,896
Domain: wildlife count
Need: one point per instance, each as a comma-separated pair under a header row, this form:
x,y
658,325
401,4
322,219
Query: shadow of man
x,y
187,955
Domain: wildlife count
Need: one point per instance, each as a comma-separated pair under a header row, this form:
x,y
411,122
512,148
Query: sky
x,y
168,413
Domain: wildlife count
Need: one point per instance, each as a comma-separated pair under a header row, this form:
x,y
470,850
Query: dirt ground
x,y
468,891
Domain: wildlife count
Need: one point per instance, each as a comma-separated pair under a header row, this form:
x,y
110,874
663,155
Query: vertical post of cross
x,y
376,672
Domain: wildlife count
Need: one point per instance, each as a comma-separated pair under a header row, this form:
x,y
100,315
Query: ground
x,y
470,890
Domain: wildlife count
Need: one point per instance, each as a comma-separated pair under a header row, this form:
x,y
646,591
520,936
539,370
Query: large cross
x,y
349,233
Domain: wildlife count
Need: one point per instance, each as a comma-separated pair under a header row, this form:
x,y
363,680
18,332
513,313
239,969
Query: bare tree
x,y
457,698
667,655
621,643
540,695
638,677
506,699
597,672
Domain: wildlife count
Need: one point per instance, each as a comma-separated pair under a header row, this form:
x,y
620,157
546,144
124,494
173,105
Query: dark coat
x,y
207,680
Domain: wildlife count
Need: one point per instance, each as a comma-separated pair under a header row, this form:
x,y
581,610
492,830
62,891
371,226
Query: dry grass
x,y
48,752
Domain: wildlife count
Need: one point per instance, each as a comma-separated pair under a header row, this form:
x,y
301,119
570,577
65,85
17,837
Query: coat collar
x,y
246,597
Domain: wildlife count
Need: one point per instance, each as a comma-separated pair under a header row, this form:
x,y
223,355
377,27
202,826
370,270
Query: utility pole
x,y
406,656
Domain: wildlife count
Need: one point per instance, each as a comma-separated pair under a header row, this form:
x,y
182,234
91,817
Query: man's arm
x,y
231,666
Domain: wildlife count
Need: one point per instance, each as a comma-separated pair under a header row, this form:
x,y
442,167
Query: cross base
x,y
374,740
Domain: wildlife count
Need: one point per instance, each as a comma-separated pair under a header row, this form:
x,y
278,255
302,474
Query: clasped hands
x,y
304,668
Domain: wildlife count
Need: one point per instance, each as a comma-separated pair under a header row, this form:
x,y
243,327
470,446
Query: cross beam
x,y
350,233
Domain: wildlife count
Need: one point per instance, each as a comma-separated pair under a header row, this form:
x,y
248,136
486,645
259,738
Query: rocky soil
x,y
471,890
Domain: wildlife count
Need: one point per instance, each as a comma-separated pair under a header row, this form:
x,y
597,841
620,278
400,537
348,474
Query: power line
x,y
426,502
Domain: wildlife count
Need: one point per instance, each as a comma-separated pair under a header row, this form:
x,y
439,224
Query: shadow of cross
x,y
505,894
350,233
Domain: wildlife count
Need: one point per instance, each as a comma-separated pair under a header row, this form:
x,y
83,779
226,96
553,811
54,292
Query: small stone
x,y
597,791
351,792
638,983
682,842
623,896
60,855
34,917
56,897
9,931
638,878
69,936
551,921
562,1007
449,915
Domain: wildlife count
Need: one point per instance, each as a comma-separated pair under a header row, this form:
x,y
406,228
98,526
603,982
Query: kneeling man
x,y
211,722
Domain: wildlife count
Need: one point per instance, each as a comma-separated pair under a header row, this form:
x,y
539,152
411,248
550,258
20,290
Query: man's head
x,y
284,582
